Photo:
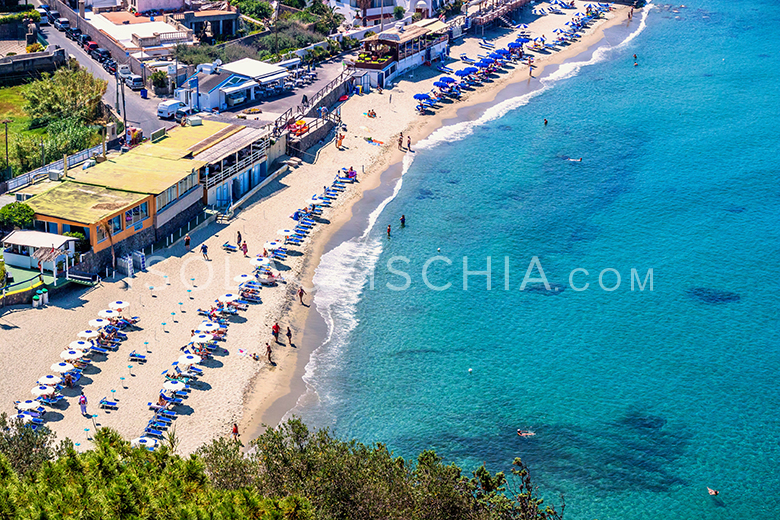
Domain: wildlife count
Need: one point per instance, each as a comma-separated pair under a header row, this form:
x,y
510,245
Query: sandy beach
x,y
234,387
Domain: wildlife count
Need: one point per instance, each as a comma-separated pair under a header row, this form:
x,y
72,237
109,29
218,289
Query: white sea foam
x,y
344,272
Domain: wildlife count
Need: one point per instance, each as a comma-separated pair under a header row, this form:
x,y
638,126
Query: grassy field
x,y
11,103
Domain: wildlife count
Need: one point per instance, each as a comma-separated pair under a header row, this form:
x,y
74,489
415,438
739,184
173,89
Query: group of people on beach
x,y
408,142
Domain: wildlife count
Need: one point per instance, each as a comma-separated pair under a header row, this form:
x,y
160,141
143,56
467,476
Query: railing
x,y
43,172
244,163
327,89
280,125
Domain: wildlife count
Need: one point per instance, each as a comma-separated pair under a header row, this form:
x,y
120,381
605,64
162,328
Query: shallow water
x,y
639,398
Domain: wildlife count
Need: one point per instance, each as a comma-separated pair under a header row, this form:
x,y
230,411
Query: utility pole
x,y
5,122
276,28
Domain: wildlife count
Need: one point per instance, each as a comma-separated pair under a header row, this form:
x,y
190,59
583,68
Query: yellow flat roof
x,y
82,203
154,167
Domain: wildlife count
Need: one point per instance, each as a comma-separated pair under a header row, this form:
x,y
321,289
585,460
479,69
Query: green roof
x,y
82,203
154,167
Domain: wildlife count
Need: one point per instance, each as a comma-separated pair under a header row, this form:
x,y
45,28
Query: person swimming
x,y
525,433
713,492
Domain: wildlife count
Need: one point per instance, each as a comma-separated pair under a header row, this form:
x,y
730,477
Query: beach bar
x,y
391,52
37,250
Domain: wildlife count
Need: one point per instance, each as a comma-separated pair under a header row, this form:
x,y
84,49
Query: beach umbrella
x,y
42,390
484,63
173,385
515,45
495,56
143,442
260,261
272,245
189,359
201,338
462,73
242,278
558,30
49,380
79,345
24,418
421,97
208,326
71,355
118,305
523,26
226,298
89,334
471,70
447,79
503,52
523,40
108,313
286,232
440,84
28,405
99,323
61,368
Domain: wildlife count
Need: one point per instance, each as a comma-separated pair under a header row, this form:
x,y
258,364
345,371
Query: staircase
x,y
506,23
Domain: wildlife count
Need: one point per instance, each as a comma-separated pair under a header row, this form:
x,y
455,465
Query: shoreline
x,y
263,411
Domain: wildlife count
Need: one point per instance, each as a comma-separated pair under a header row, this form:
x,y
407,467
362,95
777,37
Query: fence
x,y
327,89
43,172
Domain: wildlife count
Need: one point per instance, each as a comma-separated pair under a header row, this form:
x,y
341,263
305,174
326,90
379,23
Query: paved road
x,y
140,112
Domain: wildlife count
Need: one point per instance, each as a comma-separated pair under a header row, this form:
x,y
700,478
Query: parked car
x,y
44,16
110,66
134,81
84,38
53,15
184,113
167,109
100,54
90,46
45,7
73,33
124,70
61,24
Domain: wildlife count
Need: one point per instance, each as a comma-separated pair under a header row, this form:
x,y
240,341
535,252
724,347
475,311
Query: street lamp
x,y
5,122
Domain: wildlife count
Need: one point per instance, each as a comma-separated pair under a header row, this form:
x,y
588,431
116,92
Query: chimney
x,y
81,9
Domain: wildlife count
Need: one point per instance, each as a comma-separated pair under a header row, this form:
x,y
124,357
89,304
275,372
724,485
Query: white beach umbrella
x,y
201,338
225,298
79,345
243,278
260,261
143,442
118,305
49,380
61,368
189,359
272,245
286,232
71,355
24,418
42,390
28,405
89,334
208,326
108,313
99,323
173,385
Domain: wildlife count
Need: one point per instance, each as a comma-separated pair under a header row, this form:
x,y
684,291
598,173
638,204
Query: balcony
x,y
365,61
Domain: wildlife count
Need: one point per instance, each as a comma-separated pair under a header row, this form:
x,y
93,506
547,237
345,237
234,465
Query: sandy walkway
x,y
233,386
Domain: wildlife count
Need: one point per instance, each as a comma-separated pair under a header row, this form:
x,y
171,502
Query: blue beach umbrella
x,y
421,97
523,40
471,70
558,30
484,63
495,56
439,84
503,52
514,45
523,26
447,79
462,73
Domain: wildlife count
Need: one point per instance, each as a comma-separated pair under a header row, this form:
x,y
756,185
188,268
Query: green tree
x,y
398,12
329,21
16,214
159,79
364,5
67,94
296,4
23,449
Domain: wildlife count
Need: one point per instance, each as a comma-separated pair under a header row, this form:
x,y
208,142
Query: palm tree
x,y
103,224
364,5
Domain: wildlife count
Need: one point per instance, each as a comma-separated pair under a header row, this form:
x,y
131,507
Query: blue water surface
x,y
639,399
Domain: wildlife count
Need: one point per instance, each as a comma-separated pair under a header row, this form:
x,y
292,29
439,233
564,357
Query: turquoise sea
x,y
639,399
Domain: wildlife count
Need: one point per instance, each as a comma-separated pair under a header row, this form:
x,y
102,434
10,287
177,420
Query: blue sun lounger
x,y
105,403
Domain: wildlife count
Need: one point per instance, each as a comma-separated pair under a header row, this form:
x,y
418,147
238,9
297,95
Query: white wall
x,y
177,207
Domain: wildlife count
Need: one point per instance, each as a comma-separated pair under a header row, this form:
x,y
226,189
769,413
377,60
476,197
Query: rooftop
x,y
253,68
36,239
410,32
123,33
83,204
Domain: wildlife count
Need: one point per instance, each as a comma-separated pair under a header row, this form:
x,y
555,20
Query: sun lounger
x,y
105,403
99,350
230,248
50,401
137,357
153,432
163,420
157,425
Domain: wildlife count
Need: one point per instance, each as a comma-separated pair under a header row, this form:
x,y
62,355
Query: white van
x,y
167,109
44,16
123,71
134,81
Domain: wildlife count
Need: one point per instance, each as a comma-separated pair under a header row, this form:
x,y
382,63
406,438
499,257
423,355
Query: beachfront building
x,y
37,250
390,53
221,87
132,200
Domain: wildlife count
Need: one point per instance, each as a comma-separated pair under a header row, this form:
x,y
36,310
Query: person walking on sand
x,y
187,242
238,238
275,332
301,292
204,249
244,248
235,432
409,143
401,142
289,336
83,404
268,351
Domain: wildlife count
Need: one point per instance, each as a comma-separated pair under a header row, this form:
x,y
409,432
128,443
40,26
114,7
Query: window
x,y
115,225
137,214
52,227
101,234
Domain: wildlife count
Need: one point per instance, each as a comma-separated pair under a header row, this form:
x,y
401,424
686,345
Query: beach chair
x,y
157,425
192,369
163,420
168,414
230,248
50,401
152,432
105,403
99,350
137,357
171,400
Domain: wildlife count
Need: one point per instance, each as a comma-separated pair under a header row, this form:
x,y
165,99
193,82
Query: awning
x,y
274,77
289,63
36,239
239,88
437,26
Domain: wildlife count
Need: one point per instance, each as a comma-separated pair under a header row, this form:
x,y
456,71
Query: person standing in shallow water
x,y
403,220
388,231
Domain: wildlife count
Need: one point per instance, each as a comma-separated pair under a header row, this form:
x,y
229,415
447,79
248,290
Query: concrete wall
x,y
298,145
331,98
170,213
181,218
277,149
26,65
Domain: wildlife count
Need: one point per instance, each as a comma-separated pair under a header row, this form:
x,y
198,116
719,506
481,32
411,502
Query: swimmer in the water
x,y
713,492
525,433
